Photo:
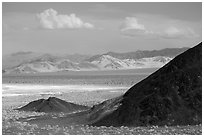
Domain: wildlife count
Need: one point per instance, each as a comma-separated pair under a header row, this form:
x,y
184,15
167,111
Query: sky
x,y
96,28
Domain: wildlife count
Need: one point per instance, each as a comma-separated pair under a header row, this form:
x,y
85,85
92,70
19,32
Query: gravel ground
x,y
10,125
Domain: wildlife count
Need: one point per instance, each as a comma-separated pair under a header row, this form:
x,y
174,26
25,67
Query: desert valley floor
x,y
84,88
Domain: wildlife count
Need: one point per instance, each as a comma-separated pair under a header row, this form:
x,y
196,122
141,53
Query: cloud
x,y
50,19
131,27
131,23
156,27
173,32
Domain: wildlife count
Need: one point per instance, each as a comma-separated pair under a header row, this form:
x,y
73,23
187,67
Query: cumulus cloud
x,y
164,29
50,19
131,23
131,27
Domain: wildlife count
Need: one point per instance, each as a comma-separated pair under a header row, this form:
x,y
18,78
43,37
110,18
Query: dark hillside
x,y
53,105
170,96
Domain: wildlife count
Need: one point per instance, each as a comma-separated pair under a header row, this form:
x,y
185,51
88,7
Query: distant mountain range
x,y
30,62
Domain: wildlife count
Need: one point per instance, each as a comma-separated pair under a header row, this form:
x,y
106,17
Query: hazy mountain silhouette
x,y
30,62
15,59
167,52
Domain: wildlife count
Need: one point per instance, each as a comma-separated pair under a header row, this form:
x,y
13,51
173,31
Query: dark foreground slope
x,y
52,105
170,96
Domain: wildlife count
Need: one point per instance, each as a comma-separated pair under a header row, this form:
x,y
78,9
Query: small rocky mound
x,y
170,96
52,105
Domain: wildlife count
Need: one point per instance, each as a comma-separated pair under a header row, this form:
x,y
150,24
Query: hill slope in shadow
x,y
170,96
52,105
